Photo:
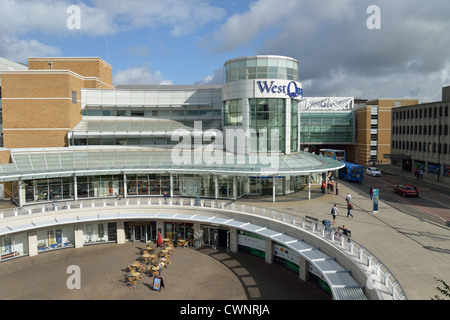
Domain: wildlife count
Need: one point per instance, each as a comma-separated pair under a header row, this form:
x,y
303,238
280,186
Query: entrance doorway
x,y
217,238
140,231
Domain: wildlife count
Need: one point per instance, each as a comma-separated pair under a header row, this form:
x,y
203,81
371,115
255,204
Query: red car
x,y
407,190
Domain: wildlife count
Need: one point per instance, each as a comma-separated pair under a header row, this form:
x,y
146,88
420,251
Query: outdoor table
x,y
135,274
153,256
146,255
136,264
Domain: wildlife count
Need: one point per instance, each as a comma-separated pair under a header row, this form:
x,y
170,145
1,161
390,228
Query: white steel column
x,y
124,185
273,188
75,188
19,184
309,186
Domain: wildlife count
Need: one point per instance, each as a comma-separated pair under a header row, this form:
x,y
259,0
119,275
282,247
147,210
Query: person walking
x,y
348,197
334,212
349,208
371,193
324,186
337,188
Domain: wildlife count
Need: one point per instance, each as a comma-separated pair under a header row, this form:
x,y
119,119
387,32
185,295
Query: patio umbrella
x,y
159,240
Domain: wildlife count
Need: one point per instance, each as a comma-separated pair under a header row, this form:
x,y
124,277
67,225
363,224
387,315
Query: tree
x,y
445,291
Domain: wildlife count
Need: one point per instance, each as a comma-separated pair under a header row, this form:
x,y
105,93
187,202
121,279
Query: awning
x,y
41,163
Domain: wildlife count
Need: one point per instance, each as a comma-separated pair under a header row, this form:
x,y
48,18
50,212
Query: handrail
x,y
375,268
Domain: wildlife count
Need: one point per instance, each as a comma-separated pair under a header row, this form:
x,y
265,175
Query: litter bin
x,y
327,224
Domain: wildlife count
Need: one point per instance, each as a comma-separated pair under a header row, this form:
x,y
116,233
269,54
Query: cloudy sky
x,y
188,41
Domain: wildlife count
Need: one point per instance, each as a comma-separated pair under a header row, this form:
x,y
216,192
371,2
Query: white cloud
x,y
408,57
241,28
20,50
50,17
101,17
139,75
215,78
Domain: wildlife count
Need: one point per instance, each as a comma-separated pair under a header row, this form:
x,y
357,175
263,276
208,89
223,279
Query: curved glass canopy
x,y
42,163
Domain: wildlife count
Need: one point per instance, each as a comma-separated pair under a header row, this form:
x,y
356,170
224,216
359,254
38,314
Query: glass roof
x,y
96,160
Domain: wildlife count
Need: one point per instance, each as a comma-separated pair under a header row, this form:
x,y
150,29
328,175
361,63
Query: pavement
x,y
194,274
416,249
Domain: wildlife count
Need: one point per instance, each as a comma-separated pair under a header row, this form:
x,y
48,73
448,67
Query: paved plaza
x,y
202,274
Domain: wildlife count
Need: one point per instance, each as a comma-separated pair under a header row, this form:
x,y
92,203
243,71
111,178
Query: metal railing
x,y
377,272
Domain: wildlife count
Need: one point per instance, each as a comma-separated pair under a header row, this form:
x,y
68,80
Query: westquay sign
x,y
266,88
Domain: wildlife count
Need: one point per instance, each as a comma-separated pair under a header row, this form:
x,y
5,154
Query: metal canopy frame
x,y
43,163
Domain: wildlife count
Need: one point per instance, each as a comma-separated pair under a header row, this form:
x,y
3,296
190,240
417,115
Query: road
x,y
432,204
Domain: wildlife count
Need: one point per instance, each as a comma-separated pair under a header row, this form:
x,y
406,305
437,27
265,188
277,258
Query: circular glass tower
x,y
260,101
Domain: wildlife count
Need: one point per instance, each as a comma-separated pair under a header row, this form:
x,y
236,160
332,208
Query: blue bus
x,y
334,154
351,172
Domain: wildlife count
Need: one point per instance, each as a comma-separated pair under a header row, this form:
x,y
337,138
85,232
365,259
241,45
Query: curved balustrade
x,y
377,273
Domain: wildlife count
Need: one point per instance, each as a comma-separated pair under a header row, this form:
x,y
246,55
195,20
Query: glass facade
x,y
99,186
232,112
49,239
187,113
268,120
154,141
13,246
179,231
147,184
49,189
95,233
325,127
261,67
192,185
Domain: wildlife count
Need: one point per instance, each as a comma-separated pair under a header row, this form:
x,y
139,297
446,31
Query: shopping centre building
x,y
69,133
73,142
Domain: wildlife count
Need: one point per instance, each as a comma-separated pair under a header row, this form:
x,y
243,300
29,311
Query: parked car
x,y
407,190
373,171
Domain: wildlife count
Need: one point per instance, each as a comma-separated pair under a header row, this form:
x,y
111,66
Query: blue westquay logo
x,y
292,89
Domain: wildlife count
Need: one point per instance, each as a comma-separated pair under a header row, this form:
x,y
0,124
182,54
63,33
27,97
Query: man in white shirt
x,y
348,197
